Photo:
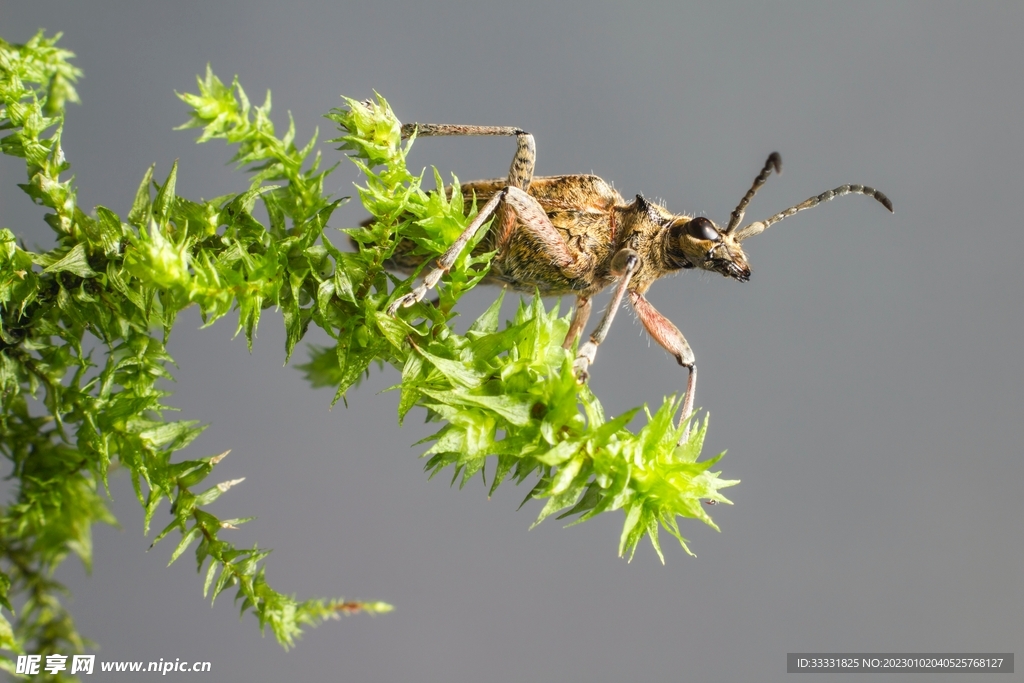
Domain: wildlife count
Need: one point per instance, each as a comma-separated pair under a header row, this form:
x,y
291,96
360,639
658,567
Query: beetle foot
x,y
584,359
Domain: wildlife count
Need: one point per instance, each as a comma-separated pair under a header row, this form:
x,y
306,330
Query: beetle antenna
x,y
774,163
760,226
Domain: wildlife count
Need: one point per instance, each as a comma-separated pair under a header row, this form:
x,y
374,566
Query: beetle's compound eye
x,y
702,229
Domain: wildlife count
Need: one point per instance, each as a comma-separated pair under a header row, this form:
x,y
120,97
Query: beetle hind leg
x,y
514,205
519,174
529,212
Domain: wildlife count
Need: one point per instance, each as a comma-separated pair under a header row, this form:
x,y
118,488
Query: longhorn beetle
x,y
574,234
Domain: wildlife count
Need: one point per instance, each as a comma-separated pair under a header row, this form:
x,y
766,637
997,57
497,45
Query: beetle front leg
x,y
624,263
673,341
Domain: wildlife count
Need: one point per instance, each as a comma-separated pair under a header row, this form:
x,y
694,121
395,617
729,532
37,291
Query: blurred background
x,y
866,381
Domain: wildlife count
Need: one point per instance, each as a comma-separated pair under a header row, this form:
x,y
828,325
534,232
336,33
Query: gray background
x,y
866,381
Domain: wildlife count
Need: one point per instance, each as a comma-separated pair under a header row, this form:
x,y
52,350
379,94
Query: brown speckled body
x,y
594,221
574,234
583,210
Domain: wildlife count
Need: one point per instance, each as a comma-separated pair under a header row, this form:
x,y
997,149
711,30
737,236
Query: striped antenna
x,y
760,226
774,163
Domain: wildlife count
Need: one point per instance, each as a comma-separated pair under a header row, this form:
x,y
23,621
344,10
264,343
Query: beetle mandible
x,y
574,234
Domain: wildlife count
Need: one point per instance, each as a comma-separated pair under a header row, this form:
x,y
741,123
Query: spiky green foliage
x,y
504,392
117,285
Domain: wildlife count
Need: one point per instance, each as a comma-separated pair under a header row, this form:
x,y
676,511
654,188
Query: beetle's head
x,y
698,243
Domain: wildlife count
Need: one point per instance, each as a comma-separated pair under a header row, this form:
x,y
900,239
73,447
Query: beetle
x,y
575,234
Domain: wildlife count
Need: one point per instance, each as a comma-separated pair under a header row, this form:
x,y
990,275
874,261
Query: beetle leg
x,y
530,213
521,172
624,263
522,208
447,259
673,341
579,321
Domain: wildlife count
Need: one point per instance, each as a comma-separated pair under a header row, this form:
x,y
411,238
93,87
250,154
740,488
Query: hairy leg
x,y
673,341
624,263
